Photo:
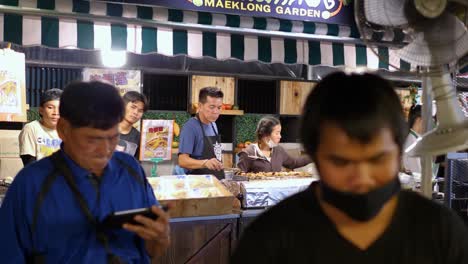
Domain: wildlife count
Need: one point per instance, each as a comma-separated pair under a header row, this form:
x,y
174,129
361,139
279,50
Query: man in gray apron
x,y
200,150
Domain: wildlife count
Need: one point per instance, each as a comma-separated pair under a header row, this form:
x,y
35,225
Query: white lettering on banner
x,y
303,8
329,4
209,3
311,3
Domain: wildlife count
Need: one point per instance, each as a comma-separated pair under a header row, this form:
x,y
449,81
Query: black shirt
x,y
297,231
130,143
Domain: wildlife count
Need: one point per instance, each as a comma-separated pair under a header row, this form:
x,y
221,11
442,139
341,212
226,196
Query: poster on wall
x,y
156,139
124,80
12,86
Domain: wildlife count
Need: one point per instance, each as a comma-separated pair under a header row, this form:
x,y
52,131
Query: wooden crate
x,y
226,84
293,96
219,205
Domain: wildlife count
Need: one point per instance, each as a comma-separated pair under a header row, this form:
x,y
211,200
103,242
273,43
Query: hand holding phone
x,y
117,219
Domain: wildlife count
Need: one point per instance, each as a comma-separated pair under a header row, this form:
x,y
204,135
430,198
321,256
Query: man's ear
x,y
41,111
63,128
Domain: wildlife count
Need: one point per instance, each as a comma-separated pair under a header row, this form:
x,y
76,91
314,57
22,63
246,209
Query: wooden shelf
x,y
224,112
232,112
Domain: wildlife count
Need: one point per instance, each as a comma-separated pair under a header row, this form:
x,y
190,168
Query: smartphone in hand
x,y
118,219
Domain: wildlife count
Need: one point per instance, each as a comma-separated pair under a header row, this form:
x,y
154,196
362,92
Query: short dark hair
x,y
211,92
91,104
50,95
415,112
134,96
360,104
265,126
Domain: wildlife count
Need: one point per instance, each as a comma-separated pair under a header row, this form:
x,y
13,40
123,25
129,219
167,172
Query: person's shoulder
x,y
120,156
288,212
191,123
249,150
135,131
34,125
279,149
35,173
418,206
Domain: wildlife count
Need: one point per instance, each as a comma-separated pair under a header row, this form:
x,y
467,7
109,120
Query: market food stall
x,y
283,50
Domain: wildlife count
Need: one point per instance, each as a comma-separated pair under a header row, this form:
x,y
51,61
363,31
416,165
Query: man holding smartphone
x,y
54,210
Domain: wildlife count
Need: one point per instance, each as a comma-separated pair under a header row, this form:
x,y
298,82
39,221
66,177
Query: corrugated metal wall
x,y
39,79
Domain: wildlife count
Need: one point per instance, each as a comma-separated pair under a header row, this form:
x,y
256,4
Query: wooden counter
x,y
201,240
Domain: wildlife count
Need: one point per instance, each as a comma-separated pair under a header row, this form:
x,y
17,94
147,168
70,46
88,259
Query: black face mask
x,y
360,207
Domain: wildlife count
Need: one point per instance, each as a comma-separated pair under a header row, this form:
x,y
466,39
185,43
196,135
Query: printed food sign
x,y
124,80
326,11
12,86
156,139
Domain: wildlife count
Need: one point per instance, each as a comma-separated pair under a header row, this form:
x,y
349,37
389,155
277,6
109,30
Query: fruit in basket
x,y
195,107
176,129
241,145
227,106
175,144
247,143
235,107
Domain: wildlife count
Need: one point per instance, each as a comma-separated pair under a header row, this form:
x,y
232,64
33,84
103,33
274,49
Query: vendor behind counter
x,y
266,155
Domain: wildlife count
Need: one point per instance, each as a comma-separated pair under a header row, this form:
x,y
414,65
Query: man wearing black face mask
x,y
354,129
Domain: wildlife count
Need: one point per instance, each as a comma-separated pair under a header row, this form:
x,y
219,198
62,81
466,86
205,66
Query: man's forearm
x,y
185,161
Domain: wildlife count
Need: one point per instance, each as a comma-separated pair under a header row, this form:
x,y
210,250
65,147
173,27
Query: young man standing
x,y
136,105
200,149
54,210
413,164
39,139
354,130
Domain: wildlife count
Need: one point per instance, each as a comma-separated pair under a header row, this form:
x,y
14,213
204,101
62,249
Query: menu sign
x,y
156,139
12,86
124,80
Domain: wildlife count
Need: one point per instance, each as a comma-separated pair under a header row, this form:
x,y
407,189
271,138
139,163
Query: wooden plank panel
x,y
226,84
293,96
227,160
203,242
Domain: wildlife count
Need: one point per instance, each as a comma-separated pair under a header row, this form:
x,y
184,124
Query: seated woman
x,y
266,155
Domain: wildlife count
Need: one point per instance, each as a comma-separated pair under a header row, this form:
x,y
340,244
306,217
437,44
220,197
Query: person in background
x,y
136,105
39,139
53,211
356,212
413,164
267,155
200,149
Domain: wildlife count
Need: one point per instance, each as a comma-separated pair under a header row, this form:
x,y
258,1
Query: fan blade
x,y
385,13
439,141
436,42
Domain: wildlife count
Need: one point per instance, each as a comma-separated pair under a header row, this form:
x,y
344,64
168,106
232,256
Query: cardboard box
x,y
9,167
9,143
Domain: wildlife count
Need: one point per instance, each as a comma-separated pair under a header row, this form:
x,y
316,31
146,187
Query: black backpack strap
x,y
137,176
37,258
132,172
102,237
45,188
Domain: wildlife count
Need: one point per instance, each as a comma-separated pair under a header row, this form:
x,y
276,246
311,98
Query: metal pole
x,y
426,160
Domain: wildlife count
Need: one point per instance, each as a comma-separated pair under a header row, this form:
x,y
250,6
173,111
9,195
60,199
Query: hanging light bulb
x,y
113,58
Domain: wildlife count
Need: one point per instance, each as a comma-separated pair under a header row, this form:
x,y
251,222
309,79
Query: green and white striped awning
x,y
75,31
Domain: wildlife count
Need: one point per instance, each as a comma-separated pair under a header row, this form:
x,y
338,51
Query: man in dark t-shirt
x,y
136,105
356,213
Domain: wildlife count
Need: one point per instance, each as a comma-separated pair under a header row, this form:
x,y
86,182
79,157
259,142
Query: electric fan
x,y
436,39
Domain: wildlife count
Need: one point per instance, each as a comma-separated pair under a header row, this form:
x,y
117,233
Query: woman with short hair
x,y
266,155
